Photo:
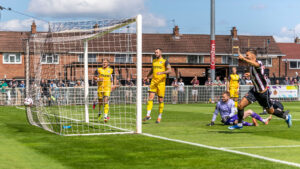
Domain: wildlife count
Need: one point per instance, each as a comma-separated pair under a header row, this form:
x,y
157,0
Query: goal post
x,y
66,99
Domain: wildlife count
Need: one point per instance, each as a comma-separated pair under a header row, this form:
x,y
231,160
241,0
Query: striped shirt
x,y
258,78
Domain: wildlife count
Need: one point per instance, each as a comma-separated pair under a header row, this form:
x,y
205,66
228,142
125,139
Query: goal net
x,y
63,80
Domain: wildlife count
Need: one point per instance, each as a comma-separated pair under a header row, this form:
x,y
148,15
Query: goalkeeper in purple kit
x,y
227,110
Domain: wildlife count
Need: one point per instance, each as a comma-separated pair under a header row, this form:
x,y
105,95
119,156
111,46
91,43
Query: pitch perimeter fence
x,y
127,95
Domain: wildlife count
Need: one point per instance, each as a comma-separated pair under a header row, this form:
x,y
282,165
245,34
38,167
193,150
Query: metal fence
x,y
127,95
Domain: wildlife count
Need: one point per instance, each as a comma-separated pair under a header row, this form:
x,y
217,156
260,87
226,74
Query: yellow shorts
x,y
158,88
233,92
102,92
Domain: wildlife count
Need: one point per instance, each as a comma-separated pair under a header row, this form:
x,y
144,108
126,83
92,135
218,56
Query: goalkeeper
x,y
104,78
160,69
227,111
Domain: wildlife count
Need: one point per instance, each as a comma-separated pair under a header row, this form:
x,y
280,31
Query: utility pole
x,y
212,41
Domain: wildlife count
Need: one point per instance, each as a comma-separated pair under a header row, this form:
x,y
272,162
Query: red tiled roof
x,y
188,43
197,43
291,50
12,41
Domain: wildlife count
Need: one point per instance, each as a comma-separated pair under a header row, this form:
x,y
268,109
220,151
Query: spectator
x,y
128,92
248,81
78,84
291,81
217,82
175,91
277,82
22,84
61,84
286,81
13,83
226,82
208,82
295,82
45,92
195,82
181,90
267,79
14,91
146,82
243,81
3,86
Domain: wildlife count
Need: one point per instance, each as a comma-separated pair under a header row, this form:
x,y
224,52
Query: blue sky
x,y
252,17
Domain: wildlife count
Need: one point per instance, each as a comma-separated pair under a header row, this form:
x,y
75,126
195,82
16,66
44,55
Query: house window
x,y
123,58
50,59
12,58
91,58
267,62
195,59
224,59
232,61
294,64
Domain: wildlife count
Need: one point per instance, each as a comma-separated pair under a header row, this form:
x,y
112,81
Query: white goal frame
x,y
138,130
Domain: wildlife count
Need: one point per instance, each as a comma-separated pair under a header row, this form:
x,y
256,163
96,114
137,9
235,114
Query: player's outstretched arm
x,y
216,112
250,62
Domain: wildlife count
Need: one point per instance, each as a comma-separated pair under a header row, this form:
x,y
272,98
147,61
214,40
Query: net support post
x,y
139,74
86,82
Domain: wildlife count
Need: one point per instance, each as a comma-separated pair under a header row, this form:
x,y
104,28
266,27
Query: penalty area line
x,y
225,150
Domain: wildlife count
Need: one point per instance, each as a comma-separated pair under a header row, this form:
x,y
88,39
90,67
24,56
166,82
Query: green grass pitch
x,y
24,146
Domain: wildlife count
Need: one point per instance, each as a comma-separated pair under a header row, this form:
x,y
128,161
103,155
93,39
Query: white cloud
x,y
97,9
283,38
22,25
86,8
287,35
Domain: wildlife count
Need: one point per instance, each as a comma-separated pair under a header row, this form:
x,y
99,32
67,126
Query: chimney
x,y
297,40
234,33
176,34
33,28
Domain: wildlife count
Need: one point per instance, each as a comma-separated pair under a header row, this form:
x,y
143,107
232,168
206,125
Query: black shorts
x,y
262,98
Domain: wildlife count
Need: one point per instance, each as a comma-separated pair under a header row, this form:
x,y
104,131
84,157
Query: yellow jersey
x,y
159,65
106,74
234,81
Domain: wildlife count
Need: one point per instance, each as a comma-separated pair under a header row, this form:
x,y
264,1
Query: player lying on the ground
x,y
259,92
227,111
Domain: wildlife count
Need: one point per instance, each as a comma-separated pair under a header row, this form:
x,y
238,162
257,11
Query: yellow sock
x,y
149,105
235,104
161,107
106,108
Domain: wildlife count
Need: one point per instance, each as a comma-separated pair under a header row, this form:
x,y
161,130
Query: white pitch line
x,y
286,146
226,150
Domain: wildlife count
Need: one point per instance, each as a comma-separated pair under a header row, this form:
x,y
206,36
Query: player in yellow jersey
x,y
104,78
234,86
160,69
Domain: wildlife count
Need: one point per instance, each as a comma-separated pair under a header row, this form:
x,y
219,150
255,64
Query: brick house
x,y
188,54
290,64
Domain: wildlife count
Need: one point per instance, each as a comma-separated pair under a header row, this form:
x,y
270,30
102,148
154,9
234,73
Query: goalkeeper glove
x,y
211,123
225,119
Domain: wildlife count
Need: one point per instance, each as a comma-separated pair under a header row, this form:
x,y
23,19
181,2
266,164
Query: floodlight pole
x,y
212,41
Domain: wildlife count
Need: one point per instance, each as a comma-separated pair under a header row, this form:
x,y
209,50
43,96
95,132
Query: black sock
x,y
240,115
280,114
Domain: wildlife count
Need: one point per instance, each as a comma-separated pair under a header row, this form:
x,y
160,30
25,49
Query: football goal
x,y
85,77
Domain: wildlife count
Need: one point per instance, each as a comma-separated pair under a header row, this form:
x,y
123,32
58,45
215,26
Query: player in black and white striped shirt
x,y
259,92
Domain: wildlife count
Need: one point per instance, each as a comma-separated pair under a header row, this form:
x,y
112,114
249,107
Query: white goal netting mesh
x,y
62,101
